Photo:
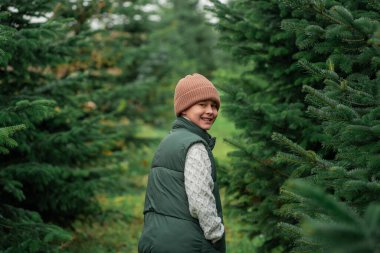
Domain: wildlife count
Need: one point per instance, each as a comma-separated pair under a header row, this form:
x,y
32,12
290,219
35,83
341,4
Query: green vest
x,y
168,225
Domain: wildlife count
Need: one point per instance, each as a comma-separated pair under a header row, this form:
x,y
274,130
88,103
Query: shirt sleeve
x,y
199,186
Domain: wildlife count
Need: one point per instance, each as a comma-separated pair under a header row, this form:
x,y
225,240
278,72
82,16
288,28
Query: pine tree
x,y
25,48
182,42
273,39
69,99
348,110
336,227
262,96
187,48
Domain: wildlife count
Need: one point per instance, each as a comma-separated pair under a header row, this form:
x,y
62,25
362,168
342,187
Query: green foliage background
x,y
86,95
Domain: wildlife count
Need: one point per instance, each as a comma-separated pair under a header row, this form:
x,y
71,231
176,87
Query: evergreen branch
x,y
321,114
33,111
228,14
343,86
363,185
327,234
310,155
4,150
323,98
321,73
373,186
372,216
358,173
343,13
374,130
245,150
332,173
274,88
290,158
348,112
363,106
340,10
13,187
292,25
236,92
32,222
352,40
317,198
375,4
323,13
293,195
266,164
23,104
5,137
291,230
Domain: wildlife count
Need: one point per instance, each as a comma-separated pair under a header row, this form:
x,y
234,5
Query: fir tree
x,y
186,48
25,48
75,93
273,39
336,227
262,96
348,110
182,42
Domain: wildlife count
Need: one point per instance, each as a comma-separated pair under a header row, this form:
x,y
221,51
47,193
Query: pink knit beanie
x,y
192,89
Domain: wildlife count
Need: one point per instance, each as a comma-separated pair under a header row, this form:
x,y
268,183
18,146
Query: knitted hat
x,y
192,89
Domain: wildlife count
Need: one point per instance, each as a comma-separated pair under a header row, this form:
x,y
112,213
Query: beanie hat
x,y
192,89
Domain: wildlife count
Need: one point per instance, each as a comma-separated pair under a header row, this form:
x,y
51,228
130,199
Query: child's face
x,y
203,114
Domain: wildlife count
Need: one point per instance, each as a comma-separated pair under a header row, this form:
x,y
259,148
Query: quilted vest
x,y
166,194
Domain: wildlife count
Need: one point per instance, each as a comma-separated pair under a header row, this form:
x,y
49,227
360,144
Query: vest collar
x,y
181,122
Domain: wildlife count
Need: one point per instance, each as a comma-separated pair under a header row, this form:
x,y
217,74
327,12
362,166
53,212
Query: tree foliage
x,y
262,97
77,81
347,107
71,100
321,52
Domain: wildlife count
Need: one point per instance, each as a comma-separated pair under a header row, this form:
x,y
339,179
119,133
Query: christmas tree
x,y
72,96
347,107
280,43
263,96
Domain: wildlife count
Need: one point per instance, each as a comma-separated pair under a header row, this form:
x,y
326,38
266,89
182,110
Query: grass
x,y
121,233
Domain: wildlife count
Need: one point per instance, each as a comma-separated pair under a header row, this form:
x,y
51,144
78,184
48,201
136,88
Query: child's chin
x,y
206,127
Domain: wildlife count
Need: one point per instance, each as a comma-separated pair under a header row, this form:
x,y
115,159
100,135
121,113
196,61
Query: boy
x,y
183,212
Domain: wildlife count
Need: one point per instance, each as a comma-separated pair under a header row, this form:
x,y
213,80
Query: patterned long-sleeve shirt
x,y
199,186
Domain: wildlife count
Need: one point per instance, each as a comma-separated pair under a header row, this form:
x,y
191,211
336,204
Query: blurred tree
x,y
185,38
181,42
337,227
72,96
